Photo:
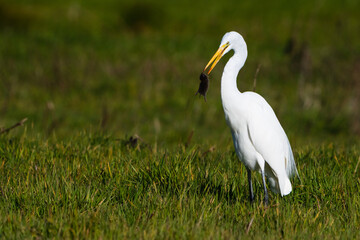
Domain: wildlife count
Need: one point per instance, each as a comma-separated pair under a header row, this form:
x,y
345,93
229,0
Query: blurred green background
x,y
132,67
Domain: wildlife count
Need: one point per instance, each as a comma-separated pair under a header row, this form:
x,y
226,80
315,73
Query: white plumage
x,y
260,141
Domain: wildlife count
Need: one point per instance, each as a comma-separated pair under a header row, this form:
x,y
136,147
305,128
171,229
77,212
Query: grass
x,y
102,187
90,76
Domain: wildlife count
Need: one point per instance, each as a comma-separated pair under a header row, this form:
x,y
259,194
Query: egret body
x,y
260,141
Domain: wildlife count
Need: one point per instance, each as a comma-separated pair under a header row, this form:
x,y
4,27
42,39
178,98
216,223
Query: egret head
x,y
230,41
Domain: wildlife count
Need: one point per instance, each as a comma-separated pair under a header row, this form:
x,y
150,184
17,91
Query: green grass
x,y
101,187
88,75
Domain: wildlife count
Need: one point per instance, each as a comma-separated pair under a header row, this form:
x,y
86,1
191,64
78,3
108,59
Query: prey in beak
x,y
204,78
204,85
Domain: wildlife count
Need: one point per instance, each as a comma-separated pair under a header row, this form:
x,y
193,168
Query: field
x,y
117,145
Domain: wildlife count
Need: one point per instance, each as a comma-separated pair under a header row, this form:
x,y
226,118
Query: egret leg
x,y
252,198
266,197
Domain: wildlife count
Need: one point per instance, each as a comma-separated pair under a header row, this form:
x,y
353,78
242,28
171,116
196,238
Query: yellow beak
x,y
217,56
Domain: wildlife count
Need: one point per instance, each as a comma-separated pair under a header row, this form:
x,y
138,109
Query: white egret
x,y
260,141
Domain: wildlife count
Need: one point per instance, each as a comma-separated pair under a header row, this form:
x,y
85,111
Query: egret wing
x,y
268,136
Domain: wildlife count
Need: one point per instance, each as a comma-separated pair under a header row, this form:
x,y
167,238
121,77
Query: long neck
x,y
228,79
